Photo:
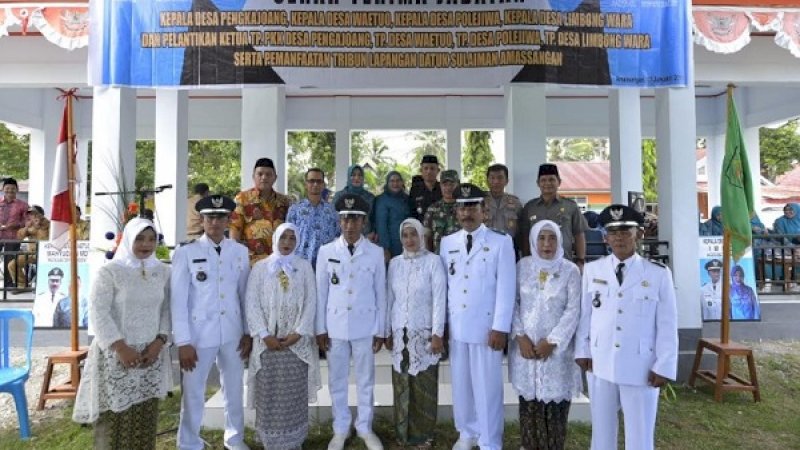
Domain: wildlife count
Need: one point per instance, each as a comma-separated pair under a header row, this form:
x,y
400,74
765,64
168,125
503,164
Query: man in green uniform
x,y
440,218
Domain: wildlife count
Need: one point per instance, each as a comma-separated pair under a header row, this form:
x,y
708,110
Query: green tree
x,y
477,157
780,149
145,164
217,163
577,149
310,149
429,143
649,171
14,151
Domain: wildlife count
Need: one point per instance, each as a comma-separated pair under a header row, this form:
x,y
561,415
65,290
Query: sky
x,y
401,143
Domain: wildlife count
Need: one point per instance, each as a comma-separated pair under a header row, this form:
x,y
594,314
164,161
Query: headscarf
x,y
785,225
413,223
592,219
276,261
124,255
533,238
757,226
356,189
714,224
386,190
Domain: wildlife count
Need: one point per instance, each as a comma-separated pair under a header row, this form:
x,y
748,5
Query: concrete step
x,y
320,412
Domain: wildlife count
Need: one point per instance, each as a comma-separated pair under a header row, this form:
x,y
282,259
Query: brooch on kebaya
x,y
283,279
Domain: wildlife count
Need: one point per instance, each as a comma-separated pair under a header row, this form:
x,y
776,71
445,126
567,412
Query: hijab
x,y
356,189
714,224
277,261
388,191
533,238
124,255
787,225
415,224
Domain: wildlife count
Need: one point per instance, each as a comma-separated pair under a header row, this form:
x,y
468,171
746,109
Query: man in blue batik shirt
x,y
316,219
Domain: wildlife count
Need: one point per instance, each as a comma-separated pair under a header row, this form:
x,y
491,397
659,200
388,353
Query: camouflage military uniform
x,y
440,220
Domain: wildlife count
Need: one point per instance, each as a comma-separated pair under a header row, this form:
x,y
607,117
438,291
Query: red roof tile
x,y
584,176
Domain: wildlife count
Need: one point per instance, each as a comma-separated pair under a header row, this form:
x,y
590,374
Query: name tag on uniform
x,y
333,260
454,251
201,260
599,281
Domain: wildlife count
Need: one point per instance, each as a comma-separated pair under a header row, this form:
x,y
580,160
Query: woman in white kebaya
x,y
542,367
417,293
284,365
128,367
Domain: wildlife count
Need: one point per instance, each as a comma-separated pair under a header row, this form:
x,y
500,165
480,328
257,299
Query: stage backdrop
x,y
388,43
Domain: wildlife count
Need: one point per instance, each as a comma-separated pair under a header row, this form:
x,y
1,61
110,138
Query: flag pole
x,y
725,320
73,241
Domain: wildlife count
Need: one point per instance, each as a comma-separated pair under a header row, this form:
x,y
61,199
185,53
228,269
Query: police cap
x,y
352,204
56,272
714,264
621,216
215,205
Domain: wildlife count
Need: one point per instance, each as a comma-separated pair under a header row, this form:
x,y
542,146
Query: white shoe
x,y
465,443
371,440
239,446
337,443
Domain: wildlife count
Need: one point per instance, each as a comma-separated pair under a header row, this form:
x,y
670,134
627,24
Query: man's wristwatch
x,y
162,338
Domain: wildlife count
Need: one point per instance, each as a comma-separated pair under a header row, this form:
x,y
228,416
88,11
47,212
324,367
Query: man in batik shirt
x,y
316,219
259,211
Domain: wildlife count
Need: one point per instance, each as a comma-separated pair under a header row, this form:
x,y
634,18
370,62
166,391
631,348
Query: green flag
x,y
736,187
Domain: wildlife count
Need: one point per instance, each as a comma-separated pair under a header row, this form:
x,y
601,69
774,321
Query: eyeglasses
x,y
315,181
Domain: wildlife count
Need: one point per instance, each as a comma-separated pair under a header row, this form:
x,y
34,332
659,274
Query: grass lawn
x,y
690,421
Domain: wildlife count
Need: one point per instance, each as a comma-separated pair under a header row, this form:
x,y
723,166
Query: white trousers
x,y
639,407
477,379
338,372
231,369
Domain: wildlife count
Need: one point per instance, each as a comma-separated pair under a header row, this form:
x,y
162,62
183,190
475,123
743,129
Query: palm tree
x,y
430,143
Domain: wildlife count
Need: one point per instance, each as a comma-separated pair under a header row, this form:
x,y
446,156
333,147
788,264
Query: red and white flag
x,y
61,212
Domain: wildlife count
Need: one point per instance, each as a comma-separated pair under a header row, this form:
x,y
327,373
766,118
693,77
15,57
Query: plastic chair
x,y
12,379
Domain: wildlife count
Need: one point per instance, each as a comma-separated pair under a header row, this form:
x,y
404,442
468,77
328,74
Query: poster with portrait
x,y
636,201
52,305
744,300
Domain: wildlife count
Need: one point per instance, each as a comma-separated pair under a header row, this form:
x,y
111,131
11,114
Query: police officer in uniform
x,y
481,283
351,318
711,292
209,279
627,337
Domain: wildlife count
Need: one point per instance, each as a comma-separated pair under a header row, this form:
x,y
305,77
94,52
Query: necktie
x,y
352,248
619,274
218,249
469,242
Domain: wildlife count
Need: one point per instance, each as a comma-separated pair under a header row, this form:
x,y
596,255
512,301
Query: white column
x,y
82,164
625,136
526,137
453,120
343,156
113,160
715,152
43,144
677,202
263,132
172,162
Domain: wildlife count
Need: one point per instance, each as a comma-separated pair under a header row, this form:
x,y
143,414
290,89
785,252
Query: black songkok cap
x,y
548,169
264,162
430,159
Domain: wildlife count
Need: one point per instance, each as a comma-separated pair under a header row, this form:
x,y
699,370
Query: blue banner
x,y
389,43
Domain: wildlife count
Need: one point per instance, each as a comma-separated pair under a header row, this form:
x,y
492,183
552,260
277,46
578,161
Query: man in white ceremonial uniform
x,y
481,286
711,292
627,336
209,279
351,317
